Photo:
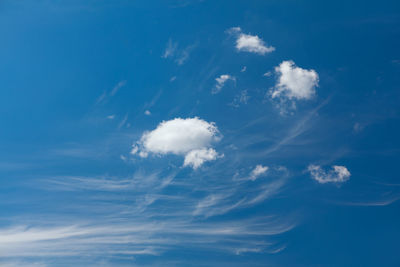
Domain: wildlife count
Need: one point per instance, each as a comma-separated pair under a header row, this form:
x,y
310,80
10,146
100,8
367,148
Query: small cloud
x,y
111,117
173,78
191,137
196,158
180,56
267,74
338,174
241,251
294,82
258,171
122,157
241,98
234,30
170,49
101,97
249,43
104,96
220,82
243,69
147,112
122,123
117,87
183,55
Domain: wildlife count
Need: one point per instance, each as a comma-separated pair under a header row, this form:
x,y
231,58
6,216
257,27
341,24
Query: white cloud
x,y
258,171
191,137
253,44
147,112
111,117
250,43
196,158
221,80
294,82
243,69
338,174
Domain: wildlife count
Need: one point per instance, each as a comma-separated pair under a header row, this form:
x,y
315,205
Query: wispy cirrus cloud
x,y
179,55
107,238
105,95
240,99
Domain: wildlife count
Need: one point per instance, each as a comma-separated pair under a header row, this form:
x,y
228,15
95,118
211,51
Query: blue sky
x,y
199,133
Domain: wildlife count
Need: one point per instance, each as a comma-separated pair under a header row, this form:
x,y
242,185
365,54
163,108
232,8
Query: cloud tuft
x,y
294,82
338,174
258,171
220,82
249,43
191,137
196,158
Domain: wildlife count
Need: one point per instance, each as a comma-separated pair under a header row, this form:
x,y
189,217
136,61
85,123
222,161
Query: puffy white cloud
x,y
294,82
258,171
253,44
191,137
221,80
196,158
338,174
147,112
250,43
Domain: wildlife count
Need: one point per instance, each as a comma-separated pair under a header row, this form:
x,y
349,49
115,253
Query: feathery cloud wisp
x,y
180,56
220,82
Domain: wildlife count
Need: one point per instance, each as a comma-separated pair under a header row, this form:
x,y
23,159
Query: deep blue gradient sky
x,y
85,82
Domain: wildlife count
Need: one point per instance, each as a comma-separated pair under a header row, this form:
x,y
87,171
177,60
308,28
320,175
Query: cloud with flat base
x,y
249,43
191,138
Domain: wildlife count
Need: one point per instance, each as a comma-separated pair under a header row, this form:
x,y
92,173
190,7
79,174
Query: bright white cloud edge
x,y
250,43
258,171
294,82
220,82
191,138
338,174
